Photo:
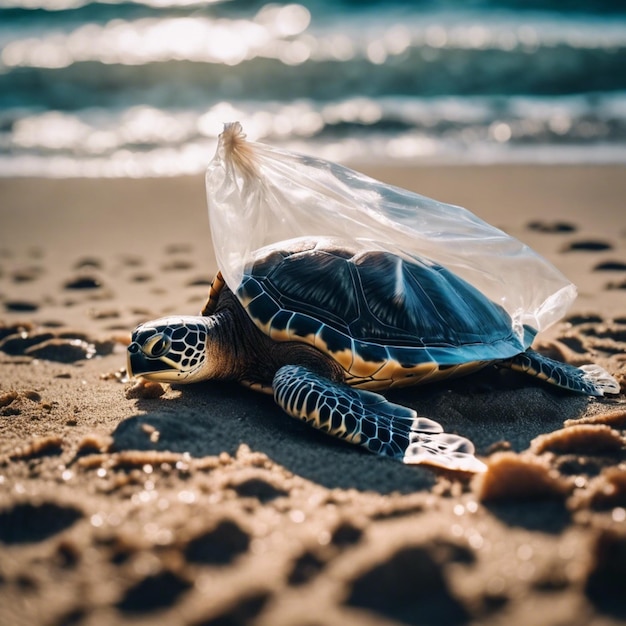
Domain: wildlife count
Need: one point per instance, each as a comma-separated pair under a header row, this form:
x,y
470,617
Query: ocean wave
x,y
144,140
280,53
145,86
419,72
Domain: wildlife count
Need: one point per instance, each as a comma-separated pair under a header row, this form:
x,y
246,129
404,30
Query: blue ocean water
x,y
142,87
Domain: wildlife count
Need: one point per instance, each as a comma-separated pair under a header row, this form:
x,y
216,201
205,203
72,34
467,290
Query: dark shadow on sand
x,y
209,418
548,516
495,405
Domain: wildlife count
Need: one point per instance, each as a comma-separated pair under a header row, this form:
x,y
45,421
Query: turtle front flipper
x,y
368,419
592,380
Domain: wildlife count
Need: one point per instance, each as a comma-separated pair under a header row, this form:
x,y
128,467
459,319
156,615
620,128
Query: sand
x,y
207,505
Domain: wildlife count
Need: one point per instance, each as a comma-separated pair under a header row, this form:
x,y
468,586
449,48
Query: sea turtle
x,y
319,323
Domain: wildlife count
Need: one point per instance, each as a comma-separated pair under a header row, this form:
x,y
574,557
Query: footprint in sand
x,y
17,343
310,564
178,248
178,265
104,314
132,261
260,489
346,534
409,582
29,523
154,592
218,546
83,282
199,282
306,567
21,306
610,266
62,350
141,278
27,274
617,285
579,320
587,245
604,585
14,329
593,333
61,347
243,610
52,323
551,227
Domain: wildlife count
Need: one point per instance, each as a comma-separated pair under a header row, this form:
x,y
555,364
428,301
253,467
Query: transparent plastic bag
x,y
258,195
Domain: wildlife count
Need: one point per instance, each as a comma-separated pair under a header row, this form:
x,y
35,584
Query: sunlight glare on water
x,y
153,40
284,21
51,131
143,87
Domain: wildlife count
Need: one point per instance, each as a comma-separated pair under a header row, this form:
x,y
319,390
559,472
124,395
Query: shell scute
x,y
268,264
331,340
303,326
368,359
320,281
279,325
262,308
381,316
372,352
250,288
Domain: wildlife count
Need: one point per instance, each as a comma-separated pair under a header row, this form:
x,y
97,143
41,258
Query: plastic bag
x,y
258,195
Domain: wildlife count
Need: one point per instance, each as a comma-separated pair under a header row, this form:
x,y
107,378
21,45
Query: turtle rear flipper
x,y
368,419
592,380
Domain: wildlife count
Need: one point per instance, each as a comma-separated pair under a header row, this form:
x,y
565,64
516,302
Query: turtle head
x,y
171,349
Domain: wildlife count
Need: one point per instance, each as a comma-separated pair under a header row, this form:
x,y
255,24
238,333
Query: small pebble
x,y
145,389
7,397
32,395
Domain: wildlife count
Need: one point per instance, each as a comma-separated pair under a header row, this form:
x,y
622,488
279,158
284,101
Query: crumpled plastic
x,y
258,195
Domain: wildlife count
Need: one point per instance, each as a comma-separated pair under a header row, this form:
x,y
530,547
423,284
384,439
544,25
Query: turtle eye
x,y
157,346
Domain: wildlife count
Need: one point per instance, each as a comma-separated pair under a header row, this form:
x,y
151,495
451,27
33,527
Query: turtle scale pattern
x,y
180,345
382,427
388,321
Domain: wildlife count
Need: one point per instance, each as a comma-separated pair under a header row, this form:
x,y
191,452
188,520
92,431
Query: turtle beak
x,y
138,365
150,368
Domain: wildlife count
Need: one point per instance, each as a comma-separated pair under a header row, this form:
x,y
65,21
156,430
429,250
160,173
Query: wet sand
x,y
207,505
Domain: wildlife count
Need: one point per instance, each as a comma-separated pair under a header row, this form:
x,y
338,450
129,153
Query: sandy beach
x,y
205,504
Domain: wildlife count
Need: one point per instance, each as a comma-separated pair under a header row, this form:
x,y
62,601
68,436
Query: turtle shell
x,y
383,317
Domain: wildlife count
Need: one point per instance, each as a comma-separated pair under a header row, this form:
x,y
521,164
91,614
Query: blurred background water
x,y
142,87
